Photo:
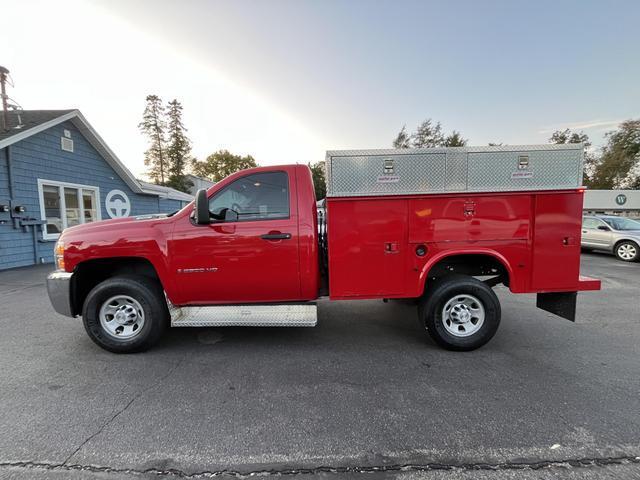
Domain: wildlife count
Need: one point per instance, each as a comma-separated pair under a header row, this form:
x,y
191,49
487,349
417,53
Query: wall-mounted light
x,y
20,209
4,208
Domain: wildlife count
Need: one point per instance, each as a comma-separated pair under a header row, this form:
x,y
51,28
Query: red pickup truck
x,y
441,226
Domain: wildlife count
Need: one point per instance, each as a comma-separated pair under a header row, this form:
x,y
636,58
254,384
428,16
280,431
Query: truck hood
x,y
111,224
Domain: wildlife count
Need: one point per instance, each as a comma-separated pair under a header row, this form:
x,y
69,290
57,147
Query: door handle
x,y
276,236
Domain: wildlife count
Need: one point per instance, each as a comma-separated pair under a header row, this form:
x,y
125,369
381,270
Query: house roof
x,y
24,123
24,120
166,192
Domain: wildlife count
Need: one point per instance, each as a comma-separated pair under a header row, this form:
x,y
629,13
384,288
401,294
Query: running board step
x,y
300,315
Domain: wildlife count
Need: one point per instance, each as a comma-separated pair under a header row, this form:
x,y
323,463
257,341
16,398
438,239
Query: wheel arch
x,y
628,239
473,262
90,273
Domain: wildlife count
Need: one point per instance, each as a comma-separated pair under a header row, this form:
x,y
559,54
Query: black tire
x,y
432,317
630,246
150,298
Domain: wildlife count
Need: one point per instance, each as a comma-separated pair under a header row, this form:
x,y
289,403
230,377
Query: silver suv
x,y
618,235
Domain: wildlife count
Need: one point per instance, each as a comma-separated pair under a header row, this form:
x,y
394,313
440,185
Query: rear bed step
x,y
287,315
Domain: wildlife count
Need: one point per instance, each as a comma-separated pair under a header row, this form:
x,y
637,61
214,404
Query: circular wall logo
x,y
621,199
117,204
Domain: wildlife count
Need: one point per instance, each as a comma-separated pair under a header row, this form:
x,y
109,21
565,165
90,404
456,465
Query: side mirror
x,y
603,227
202,208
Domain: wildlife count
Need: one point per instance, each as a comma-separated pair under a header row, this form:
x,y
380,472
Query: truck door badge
x,y
197,270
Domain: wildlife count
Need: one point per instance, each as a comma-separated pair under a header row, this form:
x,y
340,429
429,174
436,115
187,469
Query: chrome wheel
x,y
122,317
463,315
627,251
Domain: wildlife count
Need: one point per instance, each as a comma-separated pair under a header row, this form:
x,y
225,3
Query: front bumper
x,y
59,290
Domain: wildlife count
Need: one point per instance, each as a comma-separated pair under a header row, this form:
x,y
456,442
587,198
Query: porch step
x,y
287,315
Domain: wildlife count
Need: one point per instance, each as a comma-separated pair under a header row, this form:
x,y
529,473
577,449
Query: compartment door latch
x,y
391,247
469,209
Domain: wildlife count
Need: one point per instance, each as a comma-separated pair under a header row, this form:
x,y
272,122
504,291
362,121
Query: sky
x,y
285,81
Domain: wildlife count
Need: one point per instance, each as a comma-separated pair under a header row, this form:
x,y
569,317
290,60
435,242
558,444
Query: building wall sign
x,y
117,204
612,200
621,199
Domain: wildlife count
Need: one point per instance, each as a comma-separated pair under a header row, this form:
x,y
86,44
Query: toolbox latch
x,y
469,209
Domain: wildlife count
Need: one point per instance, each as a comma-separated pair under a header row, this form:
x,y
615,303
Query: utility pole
x,y
3,94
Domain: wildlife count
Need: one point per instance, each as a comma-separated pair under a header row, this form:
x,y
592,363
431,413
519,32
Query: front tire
x,y
627,251
460,313
125,314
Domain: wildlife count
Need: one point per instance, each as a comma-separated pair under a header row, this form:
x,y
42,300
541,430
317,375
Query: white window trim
x,y
63,207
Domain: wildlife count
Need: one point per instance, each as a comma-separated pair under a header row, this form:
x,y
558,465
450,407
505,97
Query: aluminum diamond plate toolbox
x,y
352,173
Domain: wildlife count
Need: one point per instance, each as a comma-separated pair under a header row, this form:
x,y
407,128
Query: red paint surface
x,y
372,244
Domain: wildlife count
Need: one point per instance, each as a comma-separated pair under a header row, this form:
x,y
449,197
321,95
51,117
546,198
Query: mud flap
x,y
562,304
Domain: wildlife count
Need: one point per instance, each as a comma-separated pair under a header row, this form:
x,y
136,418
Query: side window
x,y
591,223
260,196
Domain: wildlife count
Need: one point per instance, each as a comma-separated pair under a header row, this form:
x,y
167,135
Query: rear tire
x,y
125,314
460,313
627,251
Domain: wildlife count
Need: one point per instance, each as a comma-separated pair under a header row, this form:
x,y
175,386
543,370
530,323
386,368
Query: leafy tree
x,y
154,126
402,140
495,144
619,165
319,180
427,135
221,164
178,148
560,137
568,136
455,140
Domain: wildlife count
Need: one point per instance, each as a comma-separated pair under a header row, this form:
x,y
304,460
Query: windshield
x,y
622,223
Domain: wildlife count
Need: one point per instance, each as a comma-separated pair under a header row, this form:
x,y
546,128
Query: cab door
x,y
249,252
596,233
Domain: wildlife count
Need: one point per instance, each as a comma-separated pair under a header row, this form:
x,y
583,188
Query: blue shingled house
x,y
56,172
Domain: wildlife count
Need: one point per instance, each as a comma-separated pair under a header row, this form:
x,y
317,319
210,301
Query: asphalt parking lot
x,y
364,391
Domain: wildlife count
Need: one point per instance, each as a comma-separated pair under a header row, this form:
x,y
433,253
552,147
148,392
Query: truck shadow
x,y
349,323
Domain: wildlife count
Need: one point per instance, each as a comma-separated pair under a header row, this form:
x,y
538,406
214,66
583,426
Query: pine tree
x,y
428,135
402,140
455,140
178,148
153,125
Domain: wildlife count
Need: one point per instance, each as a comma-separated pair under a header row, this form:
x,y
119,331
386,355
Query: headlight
x,y
58,253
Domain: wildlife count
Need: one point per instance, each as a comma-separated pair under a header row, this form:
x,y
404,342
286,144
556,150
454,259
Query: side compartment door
x,y
367,247
556,242
249,252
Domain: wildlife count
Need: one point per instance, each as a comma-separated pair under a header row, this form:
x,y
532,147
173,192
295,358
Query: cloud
x,y
598,125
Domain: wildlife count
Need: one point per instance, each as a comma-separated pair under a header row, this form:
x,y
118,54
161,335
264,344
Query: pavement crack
x,y
415,467
122,410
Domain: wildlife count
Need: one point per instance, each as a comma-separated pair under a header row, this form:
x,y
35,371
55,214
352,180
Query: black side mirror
x,y
603,227
202,208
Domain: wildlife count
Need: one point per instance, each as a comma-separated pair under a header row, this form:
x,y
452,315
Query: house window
x,y
64,205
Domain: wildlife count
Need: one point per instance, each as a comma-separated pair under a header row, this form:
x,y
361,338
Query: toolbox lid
x,y
353,173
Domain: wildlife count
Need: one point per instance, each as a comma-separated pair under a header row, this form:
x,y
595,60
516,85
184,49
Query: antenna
x,y
3,94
